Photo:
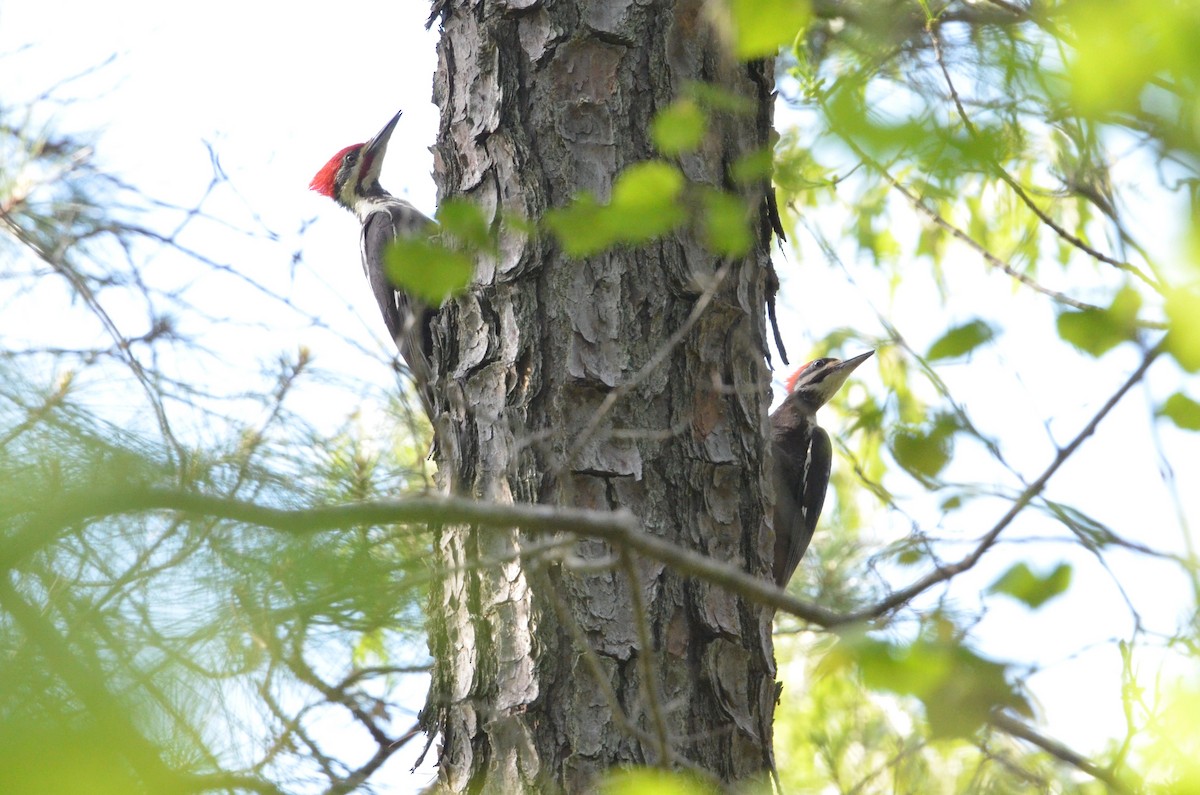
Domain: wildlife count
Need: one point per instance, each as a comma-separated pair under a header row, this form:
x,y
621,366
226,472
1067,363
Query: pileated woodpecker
x,y
351,178
802,458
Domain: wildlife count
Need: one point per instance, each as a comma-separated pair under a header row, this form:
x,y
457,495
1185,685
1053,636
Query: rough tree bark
x,y
547,674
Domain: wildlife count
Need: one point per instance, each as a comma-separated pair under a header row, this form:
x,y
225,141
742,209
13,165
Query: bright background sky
x,y
276,88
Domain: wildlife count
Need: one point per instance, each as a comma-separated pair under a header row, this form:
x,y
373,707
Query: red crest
x,y
322,183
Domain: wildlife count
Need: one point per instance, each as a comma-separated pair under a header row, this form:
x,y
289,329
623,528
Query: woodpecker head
x,y
816,382
352,175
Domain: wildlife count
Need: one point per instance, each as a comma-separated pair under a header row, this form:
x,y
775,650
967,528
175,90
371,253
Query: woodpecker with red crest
x,y
351,178
802,458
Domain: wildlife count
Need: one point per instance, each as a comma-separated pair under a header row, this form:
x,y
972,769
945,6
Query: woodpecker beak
x,y
849,364
835,376
842,370
375,149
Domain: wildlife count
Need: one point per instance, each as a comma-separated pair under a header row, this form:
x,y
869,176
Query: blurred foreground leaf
x,y
961,340
1181,410
1022,584
428,269
958,688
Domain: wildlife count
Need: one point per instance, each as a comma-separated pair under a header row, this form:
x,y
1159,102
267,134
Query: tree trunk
x,y
547,673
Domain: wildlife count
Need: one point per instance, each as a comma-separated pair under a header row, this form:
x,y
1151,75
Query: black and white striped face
x,y
353,173
349,177
816,382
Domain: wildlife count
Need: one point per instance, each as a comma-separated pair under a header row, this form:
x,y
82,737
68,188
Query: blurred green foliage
x,y
127,637
652,198
1181,410
959,159
958,688
1097,331
760,27
435,268
934,140
1022,583
960,341
645,205
653,781
679,128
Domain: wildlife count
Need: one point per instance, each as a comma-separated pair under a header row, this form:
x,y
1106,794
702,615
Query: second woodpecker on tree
x,y
351,178
803,456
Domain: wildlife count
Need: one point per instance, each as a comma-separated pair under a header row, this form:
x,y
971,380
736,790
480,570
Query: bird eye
x,y
351,158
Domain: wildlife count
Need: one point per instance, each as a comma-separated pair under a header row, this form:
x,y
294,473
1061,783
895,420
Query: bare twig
x,y
620,528
1010,725
652,365
89,686
996,262
596,668
122,342
943,573
645,660
1002,173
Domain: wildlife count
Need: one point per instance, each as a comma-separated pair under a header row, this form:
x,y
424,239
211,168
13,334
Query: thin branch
x,y
1007,178
943,573
110,325
596,668
230,782
1010,725
645,662
937,219
336,694
620,528
91,688
652,365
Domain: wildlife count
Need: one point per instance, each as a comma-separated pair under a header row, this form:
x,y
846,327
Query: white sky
x,y
276,88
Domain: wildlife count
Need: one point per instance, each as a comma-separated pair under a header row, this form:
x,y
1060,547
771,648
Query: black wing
x,y
800,485
378,230
407,319
816,480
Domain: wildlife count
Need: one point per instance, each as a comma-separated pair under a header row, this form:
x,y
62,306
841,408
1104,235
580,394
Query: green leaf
x,y
645,202
726,227
427,269
1022,584
1124,309
1089,331
649,186
582,229
679,128
922,454
645,205
1097,331
913,670
465,221
648,781
371,648
964,700
1183,322
1181,410
1121,46
752,167
713,97
761,27
961,340
958,688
